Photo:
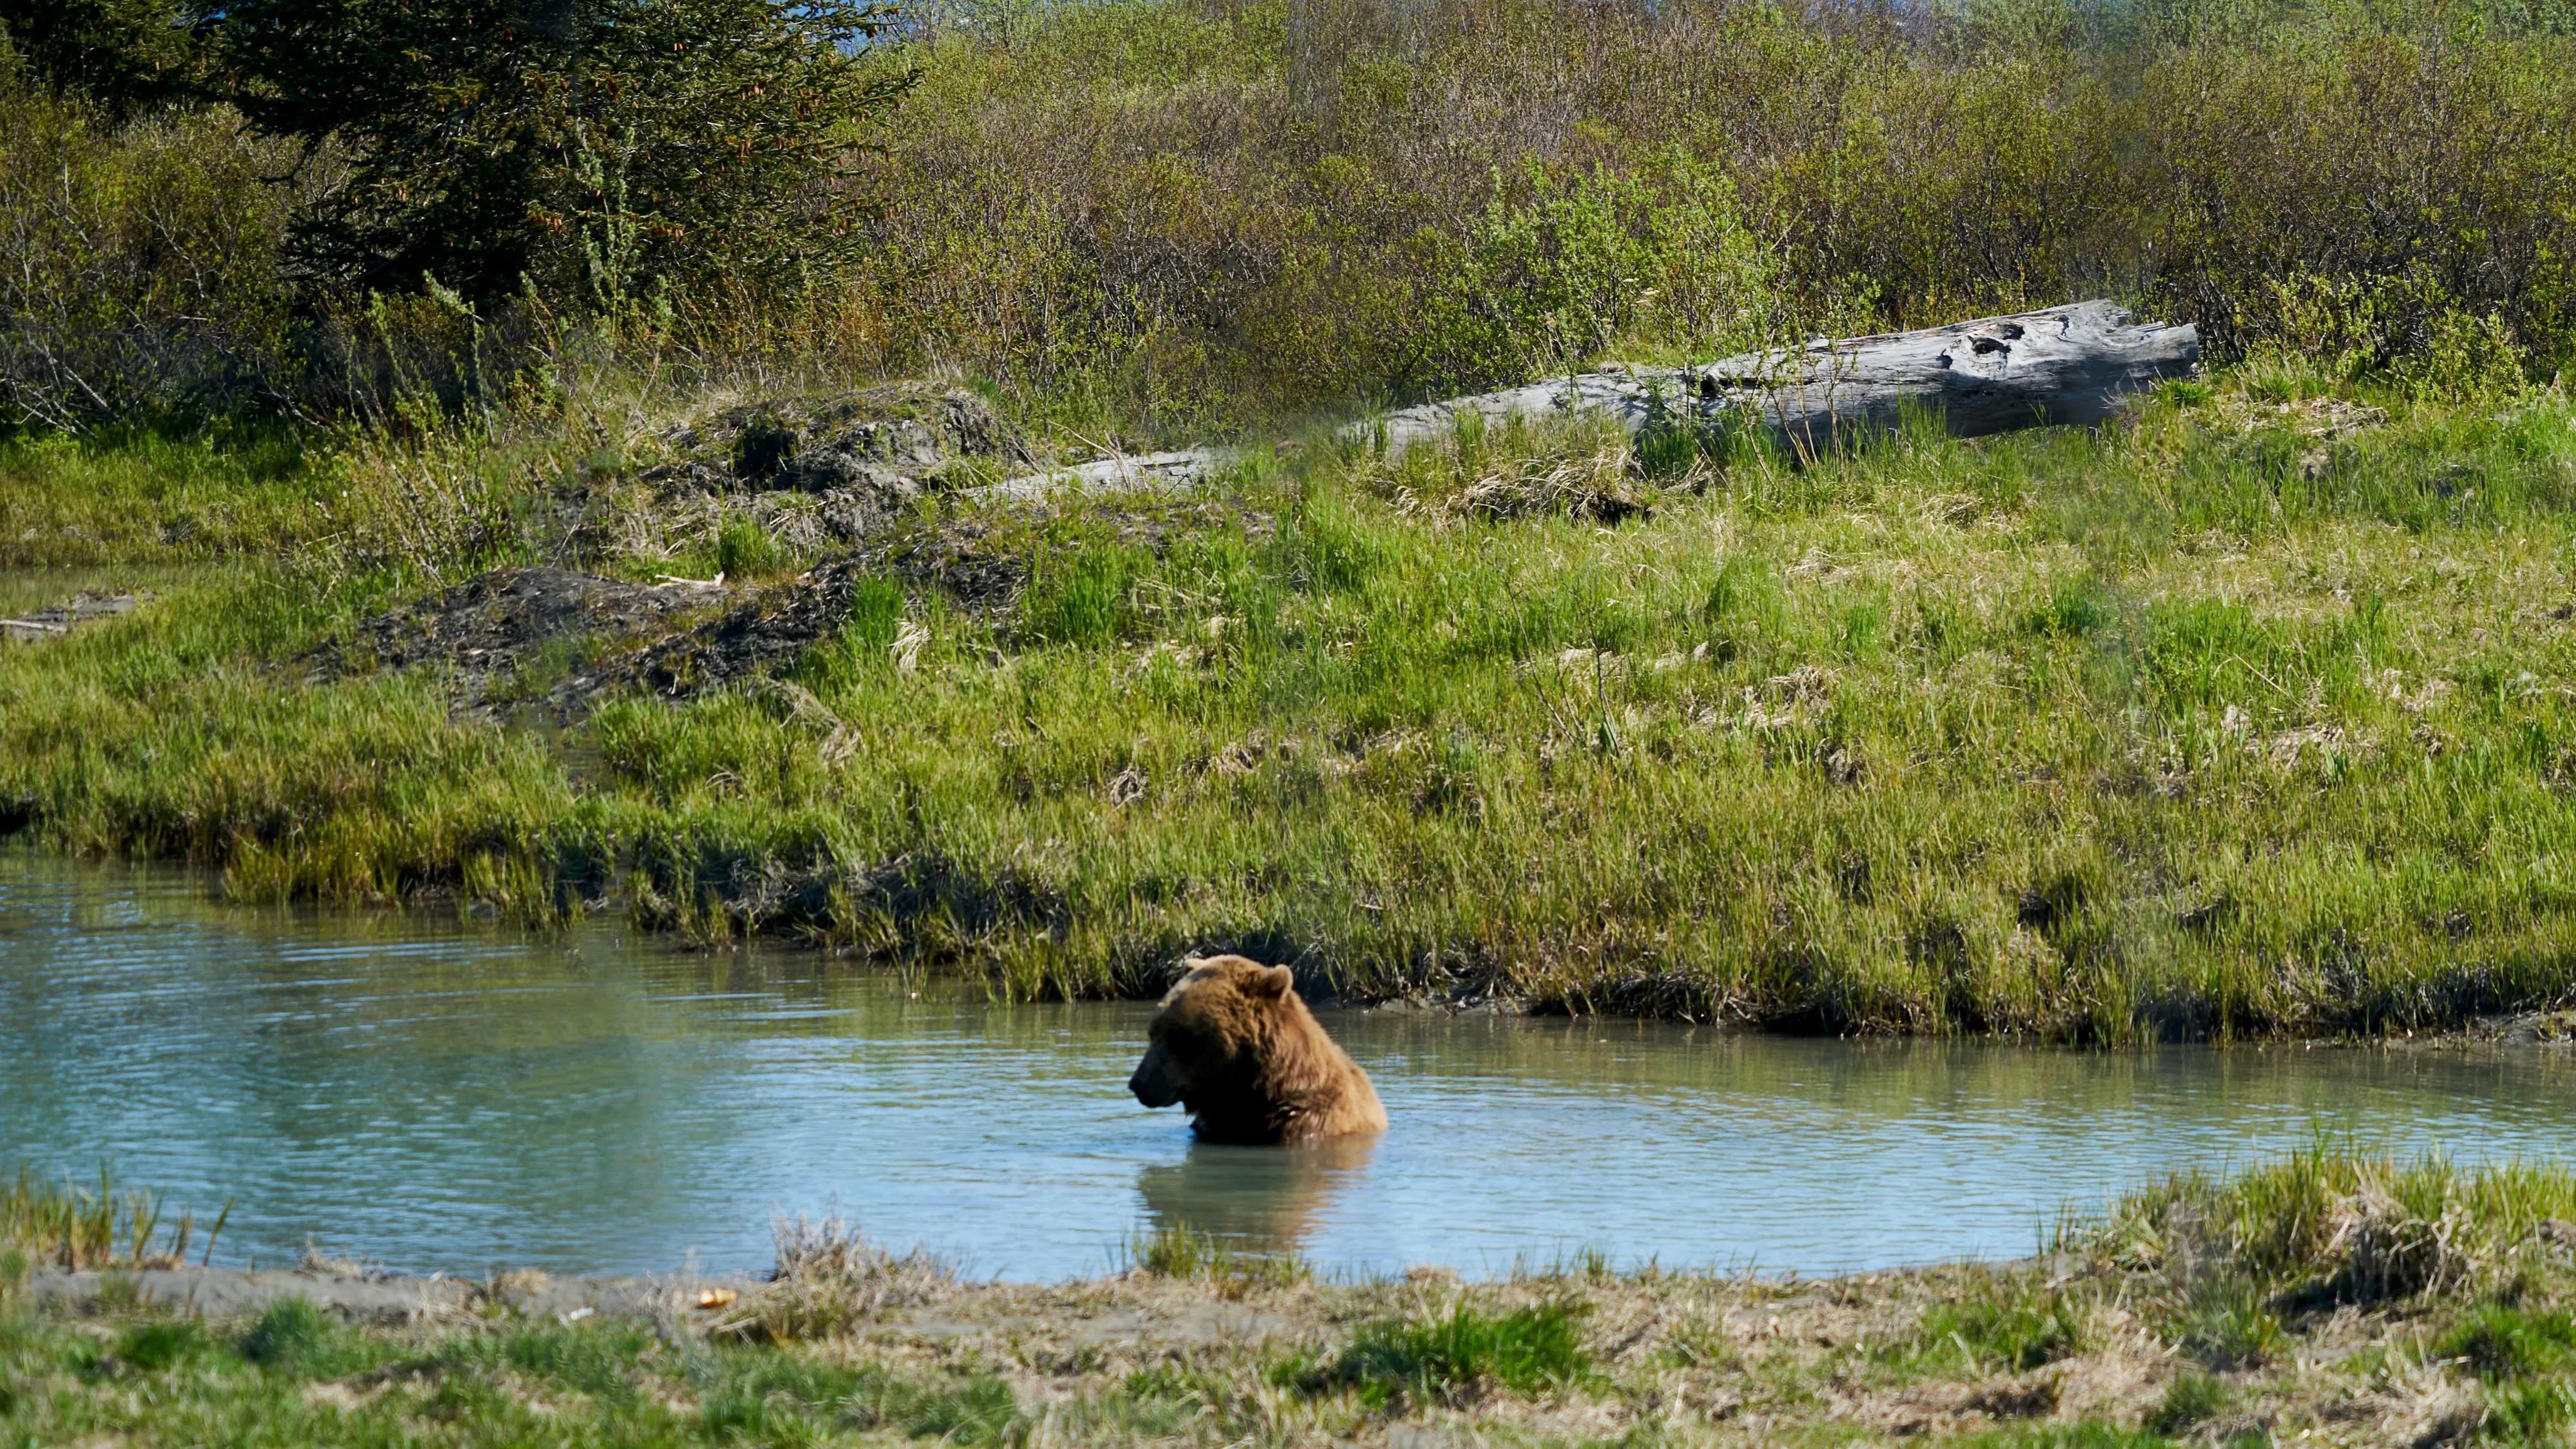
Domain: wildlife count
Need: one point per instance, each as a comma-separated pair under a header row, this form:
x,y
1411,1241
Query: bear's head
x,y
1210,1040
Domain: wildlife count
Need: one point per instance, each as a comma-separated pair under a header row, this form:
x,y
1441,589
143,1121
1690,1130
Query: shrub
x,y
143,277
595,147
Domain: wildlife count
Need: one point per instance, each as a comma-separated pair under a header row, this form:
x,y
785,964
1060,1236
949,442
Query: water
x,y
435,1097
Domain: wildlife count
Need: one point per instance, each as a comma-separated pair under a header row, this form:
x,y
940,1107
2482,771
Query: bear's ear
x,y
1272,981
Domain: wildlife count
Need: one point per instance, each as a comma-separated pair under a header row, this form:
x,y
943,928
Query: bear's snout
x,y
1152,1082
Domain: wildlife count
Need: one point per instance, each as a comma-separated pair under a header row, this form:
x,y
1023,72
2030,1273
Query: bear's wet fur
x,y
1237,1049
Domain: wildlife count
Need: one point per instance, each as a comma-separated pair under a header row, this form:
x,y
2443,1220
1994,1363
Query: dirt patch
x,y
497,623
742,643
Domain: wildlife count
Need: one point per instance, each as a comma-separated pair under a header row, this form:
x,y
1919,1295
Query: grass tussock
x,y
1455,1356
828,1280
68,1225
1183,1253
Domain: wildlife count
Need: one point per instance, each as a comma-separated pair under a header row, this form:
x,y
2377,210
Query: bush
x,y
144,277
1205,215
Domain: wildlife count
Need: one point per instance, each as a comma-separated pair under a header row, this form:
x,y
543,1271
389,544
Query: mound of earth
x,y
867,454
767,633
979,564
493,623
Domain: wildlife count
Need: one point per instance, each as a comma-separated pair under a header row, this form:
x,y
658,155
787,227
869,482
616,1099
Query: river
x,y
430,1095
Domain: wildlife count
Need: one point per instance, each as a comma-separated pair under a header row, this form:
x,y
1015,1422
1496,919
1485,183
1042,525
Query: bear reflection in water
x,y
1255,1199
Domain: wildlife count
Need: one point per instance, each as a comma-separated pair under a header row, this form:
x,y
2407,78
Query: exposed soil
x,y
754,639
496,623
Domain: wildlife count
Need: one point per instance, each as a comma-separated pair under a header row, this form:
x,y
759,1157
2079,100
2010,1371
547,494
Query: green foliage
x,y
1080,597
2224,1321
2193,1398
1154,217
595,147
144,281
1181,1251
745,550
103,1226
1451,1357
125,55
773,1395
1555,271
1490,191
155,1345
2530,1415
1847,745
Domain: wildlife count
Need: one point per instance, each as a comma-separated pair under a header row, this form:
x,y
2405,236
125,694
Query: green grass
x,y
2091,738
106,1225
182,1380
1452,1357
2007,1324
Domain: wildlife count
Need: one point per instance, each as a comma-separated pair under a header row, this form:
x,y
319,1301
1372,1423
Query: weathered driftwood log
x,y
2063,365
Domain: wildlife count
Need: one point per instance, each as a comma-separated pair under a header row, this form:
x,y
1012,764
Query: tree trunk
x,y
2066,364
2063,365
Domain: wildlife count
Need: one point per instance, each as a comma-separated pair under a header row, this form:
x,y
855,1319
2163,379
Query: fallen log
x,y
2067,364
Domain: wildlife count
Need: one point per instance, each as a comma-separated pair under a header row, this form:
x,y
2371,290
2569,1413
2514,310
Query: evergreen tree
x,y
589,146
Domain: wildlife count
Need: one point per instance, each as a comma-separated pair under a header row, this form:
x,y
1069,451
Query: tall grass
x,y
67,1225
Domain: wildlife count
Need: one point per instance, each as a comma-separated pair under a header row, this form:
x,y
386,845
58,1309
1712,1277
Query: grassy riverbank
x,y
2248,716
2324,1299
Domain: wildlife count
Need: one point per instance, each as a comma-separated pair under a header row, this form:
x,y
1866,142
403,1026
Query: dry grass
x,y
829,1278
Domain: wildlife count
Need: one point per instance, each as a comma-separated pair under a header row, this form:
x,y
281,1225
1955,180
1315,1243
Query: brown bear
x,y
1236,1048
